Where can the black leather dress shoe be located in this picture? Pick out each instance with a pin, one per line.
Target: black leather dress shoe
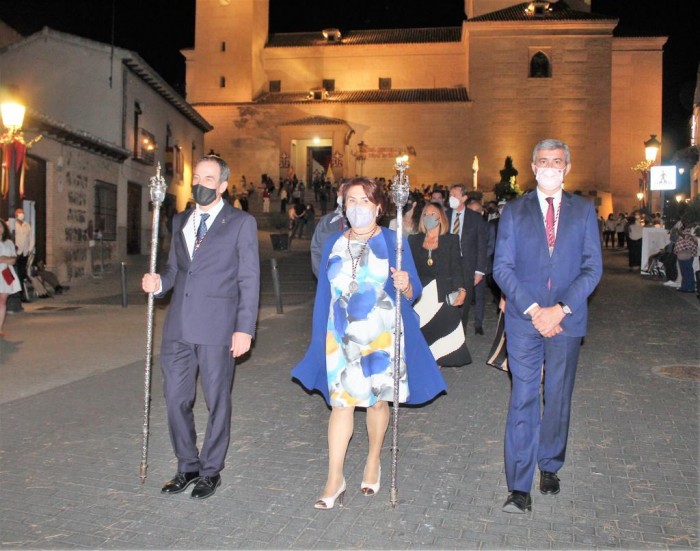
(549, 483)
(518, 502)
(179, 483)
(206, 487)
(479, 330)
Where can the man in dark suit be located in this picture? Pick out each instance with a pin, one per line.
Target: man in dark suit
(214, 271)
(473, 232)
(547, 263)
(328, 224)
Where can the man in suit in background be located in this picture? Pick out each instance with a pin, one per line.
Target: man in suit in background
(547, 263)
(214, 271)
(473, 232)
(328, 224)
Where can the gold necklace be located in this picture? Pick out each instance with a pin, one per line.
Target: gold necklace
(430, 260)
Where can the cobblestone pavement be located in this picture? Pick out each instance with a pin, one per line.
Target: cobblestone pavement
(71, 414)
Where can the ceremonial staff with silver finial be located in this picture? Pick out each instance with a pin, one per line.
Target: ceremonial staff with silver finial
(399, 193)
(156, 188)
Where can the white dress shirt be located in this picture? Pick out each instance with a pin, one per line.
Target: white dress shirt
(24, 238)
(189, 231)
(544, 205)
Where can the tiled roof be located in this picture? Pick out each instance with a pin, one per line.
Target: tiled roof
(74, 137)
(316, 121)
(354, 38)
(559, 11)
(153, 79)
(420, 95)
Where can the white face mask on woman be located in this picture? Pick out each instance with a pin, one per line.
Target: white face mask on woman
(360, 217)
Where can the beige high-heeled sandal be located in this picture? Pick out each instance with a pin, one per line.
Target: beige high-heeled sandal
(371, 489)
(329, 502)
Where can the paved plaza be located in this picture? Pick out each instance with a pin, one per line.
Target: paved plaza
(71, 415)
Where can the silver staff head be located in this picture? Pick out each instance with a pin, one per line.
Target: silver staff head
(157, 188)
(400, 187)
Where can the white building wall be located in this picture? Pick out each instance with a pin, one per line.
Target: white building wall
(66, 80)
(69, 81)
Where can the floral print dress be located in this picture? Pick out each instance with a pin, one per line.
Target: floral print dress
(360, 331)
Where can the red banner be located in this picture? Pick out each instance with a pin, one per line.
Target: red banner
(14, 156)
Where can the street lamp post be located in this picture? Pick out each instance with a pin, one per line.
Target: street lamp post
(13, 150)
(640, 198)
(651, 150)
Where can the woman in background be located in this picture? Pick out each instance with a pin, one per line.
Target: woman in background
(9, 282)
(437, 257)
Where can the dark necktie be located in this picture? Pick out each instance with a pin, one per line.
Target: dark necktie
(455, 226)
(201, 230)
(549, 222)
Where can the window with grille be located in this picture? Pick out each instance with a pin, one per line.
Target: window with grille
(106, 210)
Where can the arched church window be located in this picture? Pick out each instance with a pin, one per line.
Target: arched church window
(540, 66)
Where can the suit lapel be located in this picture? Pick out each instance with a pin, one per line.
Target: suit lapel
(534, 212)
(217, 226)
(565, 217)
(180, 235)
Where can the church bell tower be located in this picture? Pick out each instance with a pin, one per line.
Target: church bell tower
(225, 64)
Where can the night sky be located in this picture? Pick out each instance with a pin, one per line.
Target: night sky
(158, 29)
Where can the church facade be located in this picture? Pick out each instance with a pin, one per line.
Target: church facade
(351, 102)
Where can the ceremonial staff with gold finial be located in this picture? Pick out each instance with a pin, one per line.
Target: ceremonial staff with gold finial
(399, 193)
(156, 188)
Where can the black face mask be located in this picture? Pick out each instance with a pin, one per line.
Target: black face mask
(203, 195)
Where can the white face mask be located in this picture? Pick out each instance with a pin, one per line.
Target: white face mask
(549, 179)
(20, 217)
(454, 202)
(360, 217)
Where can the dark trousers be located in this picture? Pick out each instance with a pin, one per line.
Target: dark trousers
(181, 363)
(297, 228)
(21, 267)
(687, 275)
(536, 435)
(609, 238)
(479, 302)
(466, 307)
(634, 257)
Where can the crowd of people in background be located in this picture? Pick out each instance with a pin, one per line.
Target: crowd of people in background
(22, 276)
(674, 262)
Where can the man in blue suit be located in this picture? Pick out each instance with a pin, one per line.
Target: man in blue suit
(214, 271)
(547, 263)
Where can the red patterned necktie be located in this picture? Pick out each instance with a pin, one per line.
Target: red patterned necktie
(549, 222)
